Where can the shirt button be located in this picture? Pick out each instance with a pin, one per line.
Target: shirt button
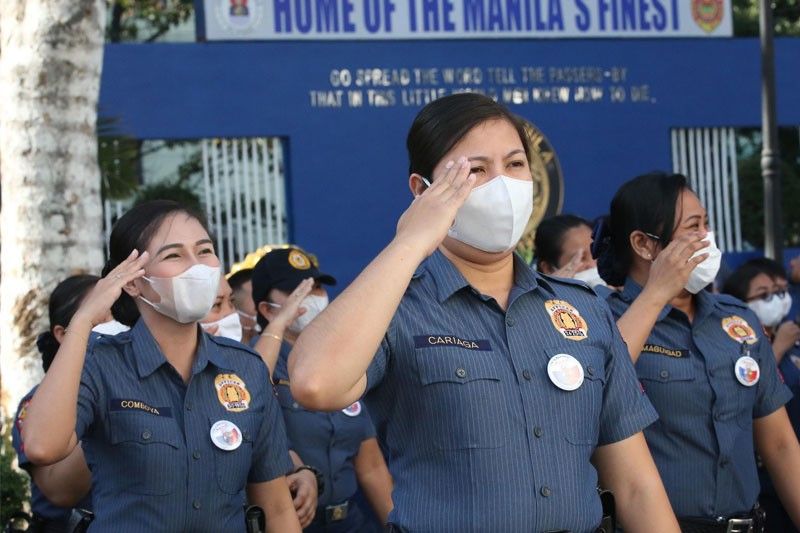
(545, 492)
(717, 417)
(196, 504)
(724, 461)
(188, 406)
(590, 370)
(538, 432)
(146, 434)
(196, 454)
(510, 322)
(460, 372)
(526, 374)
(664, 374)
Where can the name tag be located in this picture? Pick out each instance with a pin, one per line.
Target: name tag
(118, 404)
(655, 348)
(430, 341)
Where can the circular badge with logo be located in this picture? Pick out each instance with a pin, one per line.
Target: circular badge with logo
(565, 372)
(226, 435)
(353, 410)
(299, 260)
(747, 371)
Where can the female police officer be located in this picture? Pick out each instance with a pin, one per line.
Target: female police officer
(175, 423)
(492, 387)
(705, 362)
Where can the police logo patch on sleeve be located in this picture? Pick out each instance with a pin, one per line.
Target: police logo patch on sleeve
(232, 393)
(299, 260)
(739, 330)
(567, 320)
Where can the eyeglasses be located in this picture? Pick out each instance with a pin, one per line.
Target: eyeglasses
(767, 297)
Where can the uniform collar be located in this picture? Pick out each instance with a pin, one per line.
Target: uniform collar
(448, 280)
(705, 303)
(149, 358)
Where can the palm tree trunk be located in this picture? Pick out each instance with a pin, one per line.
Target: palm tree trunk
(51, 213)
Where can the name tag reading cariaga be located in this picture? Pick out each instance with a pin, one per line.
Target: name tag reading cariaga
(430, 341)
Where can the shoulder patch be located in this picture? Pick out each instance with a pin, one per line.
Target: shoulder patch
(568, 281)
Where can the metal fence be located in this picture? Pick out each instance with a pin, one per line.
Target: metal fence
(708, 157)
(242, 189)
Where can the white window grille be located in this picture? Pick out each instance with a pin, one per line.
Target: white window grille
(707, 156)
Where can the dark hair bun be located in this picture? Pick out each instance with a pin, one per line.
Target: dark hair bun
(48, 346)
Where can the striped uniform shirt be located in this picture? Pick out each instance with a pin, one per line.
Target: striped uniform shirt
(477, 435)
(703, 440)
(147, 435)
(40, 505)
(326, 441)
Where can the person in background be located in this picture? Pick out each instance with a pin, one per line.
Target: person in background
(702, 358)
(242, 299)
(223, 320)
(289, 293)
(179, 428)
(502, 398)
(57, 488)
(763, 284)
(562, 248)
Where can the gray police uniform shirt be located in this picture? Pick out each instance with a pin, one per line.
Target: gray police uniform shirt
(478, 437)
(703, 440)
(146, 434)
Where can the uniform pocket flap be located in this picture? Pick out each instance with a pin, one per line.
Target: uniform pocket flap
(143, 428)
(436, 368)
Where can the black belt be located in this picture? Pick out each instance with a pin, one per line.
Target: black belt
(754, 522)
(330, 514)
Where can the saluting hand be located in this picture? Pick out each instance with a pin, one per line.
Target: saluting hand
(786, 336)
(96, 305)
(424, 224)
(291, 309)
(572, 267)
(671, 269)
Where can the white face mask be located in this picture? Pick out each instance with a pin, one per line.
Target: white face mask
(769, 313)
(706, 272)
(591, 276)
(187, 297)
(495, 214)
(314, 306)
(227, 326)
(112, 327)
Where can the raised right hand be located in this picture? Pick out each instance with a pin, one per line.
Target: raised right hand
(97, 304)
(424, 224)
(671, 269)
(290, 309)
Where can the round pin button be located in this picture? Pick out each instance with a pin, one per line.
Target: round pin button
(747, 371)
(565, 372)
(353, 410)
(226, 435)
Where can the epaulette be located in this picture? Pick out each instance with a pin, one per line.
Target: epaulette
(569, 281)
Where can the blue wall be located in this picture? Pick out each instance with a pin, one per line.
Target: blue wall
(348, 168)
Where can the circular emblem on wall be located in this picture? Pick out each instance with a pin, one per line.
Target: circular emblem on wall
(548, 186)
(239, 15)
(707, 14)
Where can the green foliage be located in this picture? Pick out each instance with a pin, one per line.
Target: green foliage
(751, 186)
(13, 484)
(785, 13)
(178, 191)
(118, 158)
(145, 20)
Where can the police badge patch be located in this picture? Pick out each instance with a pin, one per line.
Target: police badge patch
(232, 393)
(567, 320)
(739, 330)
(707, 14)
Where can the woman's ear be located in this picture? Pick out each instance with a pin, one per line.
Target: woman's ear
(416, 184)
(131, 289)
(643, 246)
(59, 332)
